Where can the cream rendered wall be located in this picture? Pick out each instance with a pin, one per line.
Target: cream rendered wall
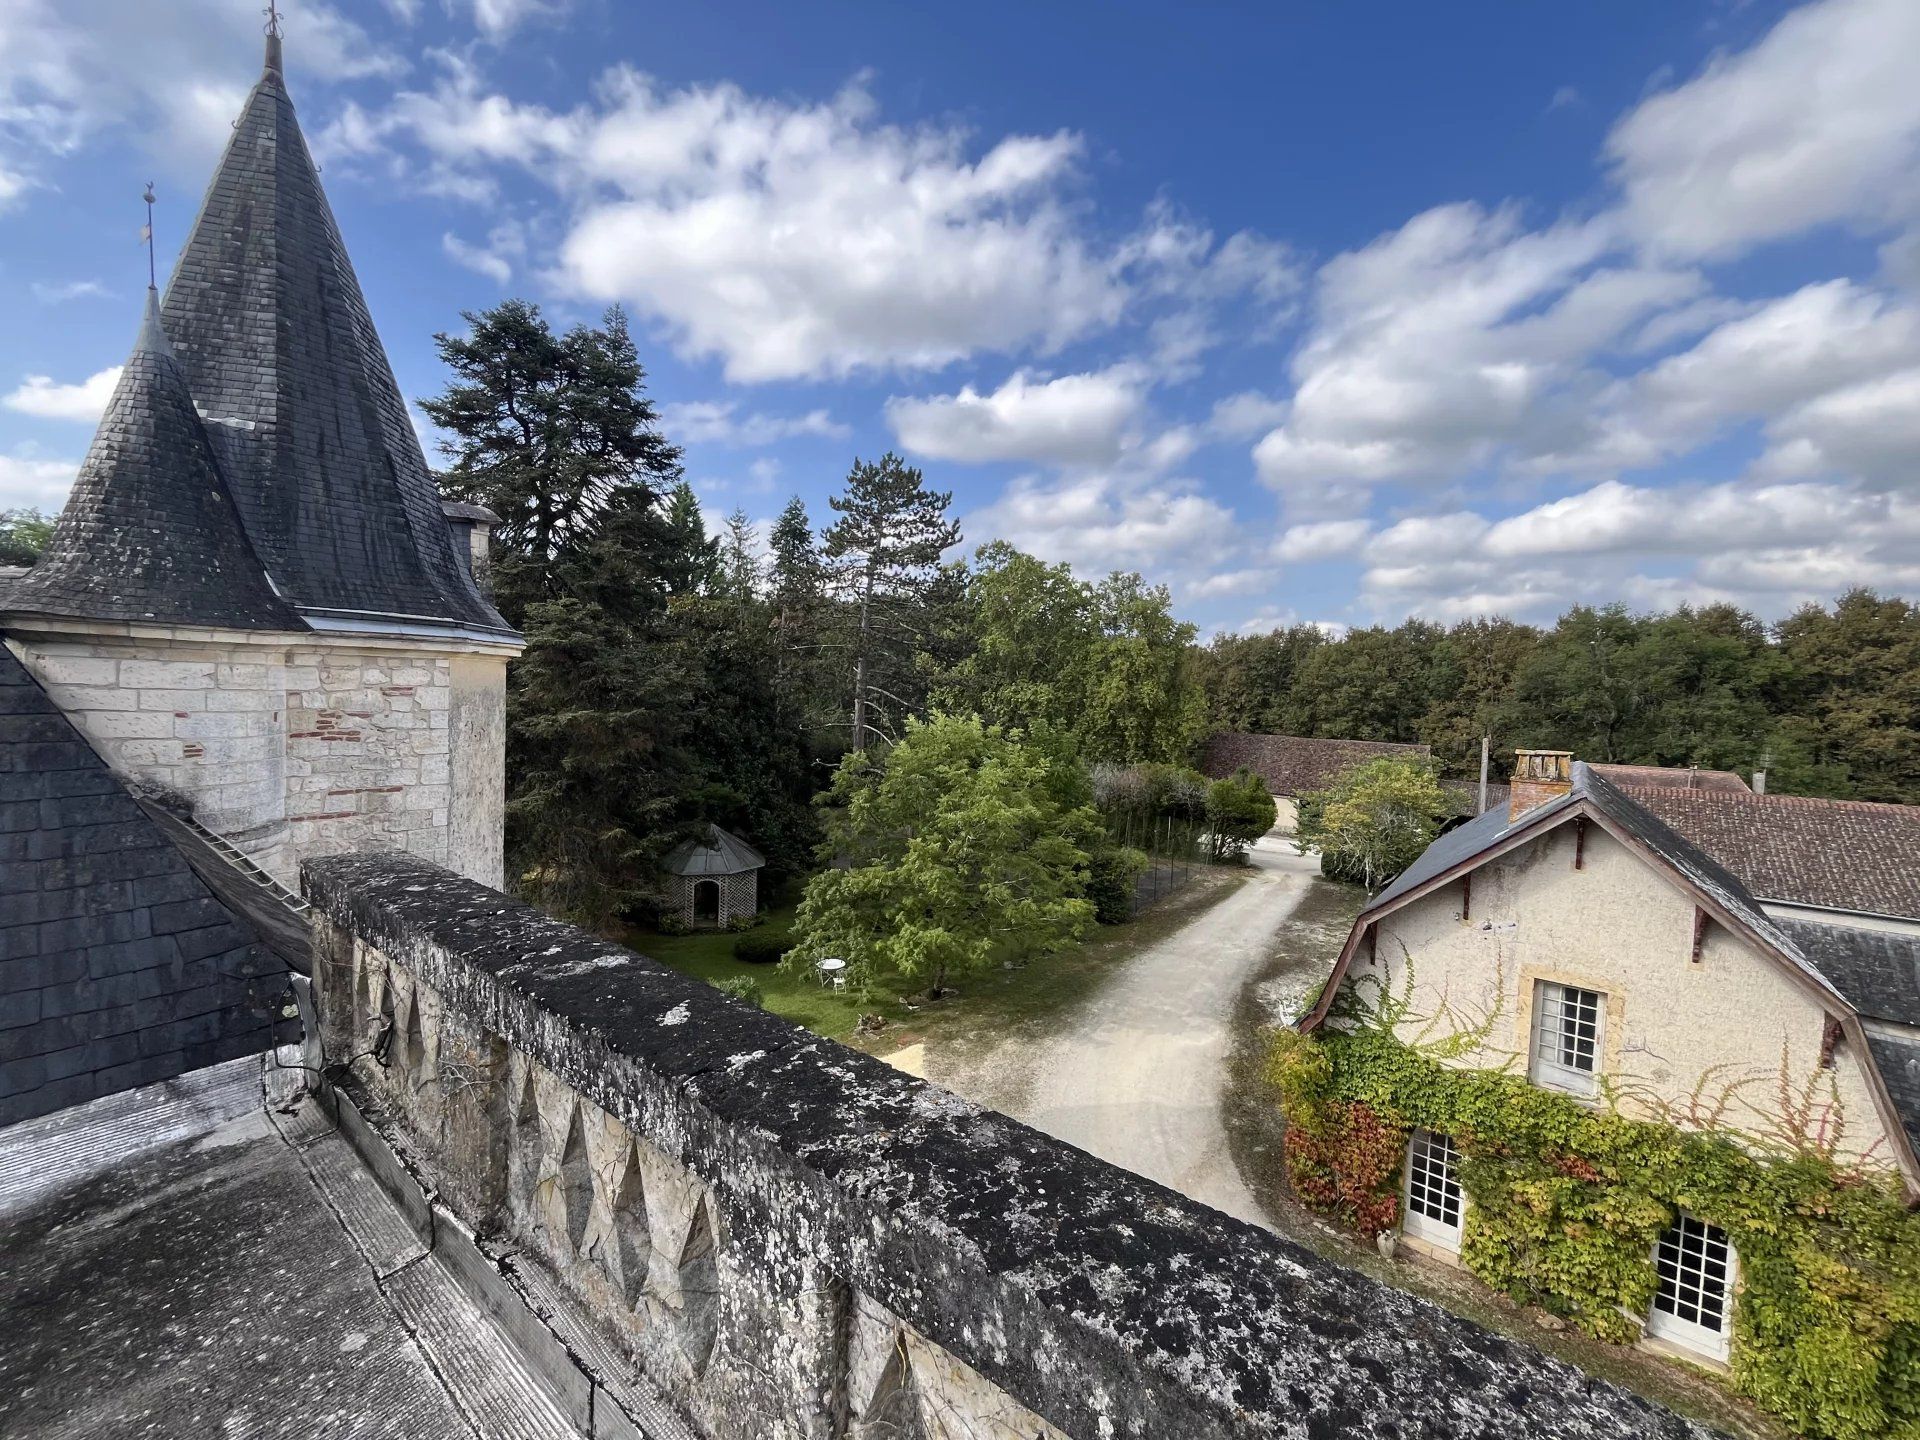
(1707, 1045)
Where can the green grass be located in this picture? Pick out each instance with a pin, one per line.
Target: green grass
(708, 955)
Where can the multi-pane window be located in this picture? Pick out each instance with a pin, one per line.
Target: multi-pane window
(1695, 1265)
(1433, 1189)
(1566, 1036)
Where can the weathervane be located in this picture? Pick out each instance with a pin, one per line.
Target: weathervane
(272, 12)
(146, 234)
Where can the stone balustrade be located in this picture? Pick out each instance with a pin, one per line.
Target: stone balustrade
(793, 1239)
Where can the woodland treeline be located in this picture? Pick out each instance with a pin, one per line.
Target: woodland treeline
(1827, 701)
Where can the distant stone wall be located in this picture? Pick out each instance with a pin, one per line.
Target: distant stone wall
(796, 1240)
(304, 750)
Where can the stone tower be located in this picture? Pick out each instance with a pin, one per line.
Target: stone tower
(253, 597)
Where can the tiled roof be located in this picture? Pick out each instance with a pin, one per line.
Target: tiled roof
(1835, 854)
(150, 531)
(1296, 764)
(117, 966)
(1672, 777)
(309, 427)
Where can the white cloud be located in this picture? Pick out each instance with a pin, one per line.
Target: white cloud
(1069, 420)
(1321, 540)
(1246, 414)
(172, 74)
(497, 19)
(56, 293)
(1098, 523)
(796, 239)
(1454, 340)
(718, 422)
(1766, 546)
(495, 258)
(41, 396)
(1818, 123)
(31, 482)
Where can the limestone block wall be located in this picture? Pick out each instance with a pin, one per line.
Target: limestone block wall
(203, 719)
(293, 750)
(793, 1239)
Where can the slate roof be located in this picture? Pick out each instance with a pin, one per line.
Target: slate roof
(1878, 970)
(1673, 777)
(150, 532)
(1295, 764)
(117, 966)
(310, 429)
(720, 854)
(1898, 1060)
(1834, 854)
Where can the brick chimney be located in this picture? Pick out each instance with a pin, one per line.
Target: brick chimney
(1538, 776)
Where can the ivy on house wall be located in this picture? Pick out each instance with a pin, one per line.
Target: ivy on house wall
(1567, 1202)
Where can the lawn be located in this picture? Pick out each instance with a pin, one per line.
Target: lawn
(708, 955)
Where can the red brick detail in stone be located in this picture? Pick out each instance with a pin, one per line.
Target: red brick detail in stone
(330, 815)
(192, 750)
(396, 689)
(369, 790)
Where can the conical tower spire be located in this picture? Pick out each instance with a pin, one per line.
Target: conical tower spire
(150, 532)
(311, 432)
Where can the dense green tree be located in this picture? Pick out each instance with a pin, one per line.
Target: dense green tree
(696, 567)
(1684, 688)
(883, 562)
(1375, 684)
(1473, 669)
(946, 853)
(1373, 821)
(1143, 700)
(1030, 630)
(1252, 681)
(1851, 697)
(1239, 812)
(23, 535)
(555, 434)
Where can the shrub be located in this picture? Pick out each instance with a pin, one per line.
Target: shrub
(1110, 877)
(762, 947)
(740, 924)
(672, 924)
(1239, 812)
(743, 987)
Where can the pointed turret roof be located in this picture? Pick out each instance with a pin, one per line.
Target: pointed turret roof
(150, 532)
(312, 435)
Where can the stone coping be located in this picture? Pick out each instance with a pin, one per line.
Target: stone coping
(1008, 1247)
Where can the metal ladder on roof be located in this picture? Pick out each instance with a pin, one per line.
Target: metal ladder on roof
(240, 861)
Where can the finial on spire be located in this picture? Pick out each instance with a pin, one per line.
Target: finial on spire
(146, 234)
(272, 12)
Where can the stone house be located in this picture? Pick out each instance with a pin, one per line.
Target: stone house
(1579, 939)
(714, 881)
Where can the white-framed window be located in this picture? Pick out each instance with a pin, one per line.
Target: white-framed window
(1693, 1307)
(1567, 1030)
(1434, 1201)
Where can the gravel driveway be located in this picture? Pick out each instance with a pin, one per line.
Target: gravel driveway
(1136, 1074)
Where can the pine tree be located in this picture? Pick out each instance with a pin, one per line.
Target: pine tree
(883, 556)
(741, 572)
(697, 567)
(555, 434)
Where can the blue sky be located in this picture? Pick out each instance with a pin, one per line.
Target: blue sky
(1314, 312)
